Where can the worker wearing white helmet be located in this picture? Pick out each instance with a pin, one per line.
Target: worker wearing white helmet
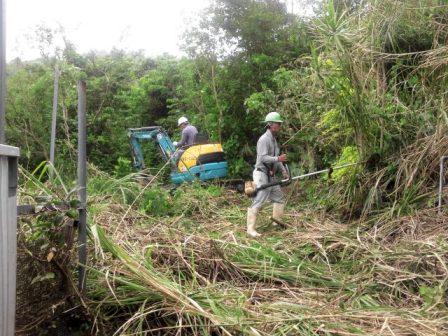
(189, 133)
(269, 161)
(181, 121)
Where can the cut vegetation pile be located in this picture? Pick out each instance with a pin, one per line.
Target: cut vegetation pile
(194, 271)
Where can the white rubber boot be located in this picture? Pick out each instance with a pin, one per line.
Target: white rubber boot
(277, 212)
(251, 219)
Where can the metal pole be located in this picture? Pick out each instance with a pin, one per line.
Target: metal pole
(441, 181)
(82, 180)
(53, 118)
(8, 238)
(2, 72)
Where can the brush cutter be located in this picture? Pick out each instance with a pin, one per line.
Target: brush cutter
(251, 190)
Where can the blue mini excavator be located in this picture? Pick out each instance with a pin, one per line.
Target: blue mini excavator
(203, 161)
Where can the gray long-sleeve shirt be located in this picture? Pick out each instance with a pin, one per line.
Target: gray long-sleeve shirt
(188, 136)
(267, 153)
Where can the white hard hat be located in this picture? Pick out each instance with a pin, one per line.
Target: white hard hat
(181, 121)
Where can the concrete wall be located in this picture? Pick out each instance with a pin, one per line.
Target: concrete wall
(8, 240)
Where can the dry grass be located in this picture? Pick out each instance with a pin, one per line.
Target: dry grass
(199, 274)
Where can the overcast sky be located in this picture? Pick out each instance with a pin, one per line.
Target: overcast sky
(154, 26)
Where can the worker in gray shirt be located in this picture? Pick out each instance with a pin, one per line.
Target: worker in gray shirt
(269, 161)
(189, 133)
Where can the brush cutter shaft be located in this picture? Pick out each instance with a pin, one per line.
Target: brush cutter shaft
(324, 171)
(287, 181)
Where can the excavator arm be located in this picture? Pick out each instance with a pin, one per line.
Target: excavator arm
(154, 133)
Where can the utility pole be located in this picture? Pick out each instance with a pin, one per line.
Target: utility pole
(8, 205)
(53, 118)
(2, 72)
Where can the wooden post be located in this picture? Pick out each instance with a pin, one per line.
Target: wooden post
(441, 181)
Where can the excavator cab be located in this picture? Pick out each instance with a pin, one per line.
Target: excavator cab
(203, 161)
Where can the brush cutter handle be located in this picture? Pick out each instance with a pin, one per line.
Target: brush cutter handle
(272, 184)
(276, 183)
(267, 185)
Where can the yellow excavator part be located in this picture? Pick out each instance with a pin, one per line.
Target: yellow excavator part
(190, 156)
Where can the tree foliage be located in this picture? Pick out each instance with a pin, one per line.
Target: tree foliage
(356, 77)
